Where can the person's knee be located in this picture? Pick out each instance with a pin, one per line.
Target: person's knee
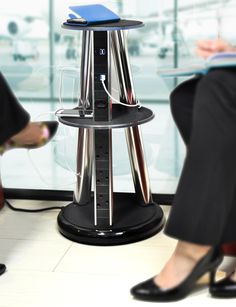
(215, 99)
(175, 100)
(176, 97)
(213, 81)
(219, 74)
(182, 96)
(211, 89)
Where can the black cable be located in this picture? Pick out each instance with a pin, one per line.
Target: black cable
(31, 210)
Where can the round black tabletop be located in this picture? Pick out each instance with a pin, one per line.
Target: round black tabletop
(123, 24)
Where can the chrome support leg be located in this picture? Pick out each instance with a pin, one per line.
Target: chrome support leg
(133, 134)
(82, 193)
(85, 69)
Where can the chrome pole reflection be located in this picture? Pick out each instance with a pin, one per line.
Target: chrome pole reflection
(85, 69)
(133, 134)
(82, 193)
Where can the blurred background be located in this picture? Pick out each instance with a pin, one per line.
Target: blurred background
(41, 62)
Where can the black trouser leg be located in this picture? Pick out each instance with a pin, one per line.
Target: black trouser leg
(13, 117)
(181, 102)
(204, 208)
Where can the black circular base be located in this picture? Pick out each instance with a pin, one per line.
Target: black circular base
(131, 223)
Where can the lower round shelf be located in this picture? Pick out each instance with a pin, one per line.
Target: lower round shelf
(122, 117)
(131, 223)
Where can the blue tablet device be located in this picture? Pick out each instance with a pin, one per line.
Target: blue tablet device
(85, 15)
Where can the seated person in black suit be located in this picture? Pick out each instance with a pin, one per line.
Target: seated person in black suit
(16, 129)
(203, 213)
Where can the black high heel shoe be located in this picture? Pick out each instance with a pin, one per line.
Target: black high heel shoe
(48, 128)
(149, 291)
(225, 288)
(2, 268)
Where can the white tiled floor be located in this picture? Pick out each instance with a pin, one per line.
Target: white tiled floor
(45, 269)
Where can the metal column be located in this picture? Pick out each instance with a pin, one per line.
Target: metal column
(133, 134)
(82, 193)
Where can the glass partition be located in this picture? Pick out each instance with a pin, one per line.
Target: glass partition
(41, 62)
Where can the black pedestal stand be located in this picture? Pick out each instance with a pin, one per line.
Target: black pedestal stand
(105, 217)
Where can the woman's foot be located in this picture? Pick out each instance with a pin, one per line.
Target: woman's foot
(31, 134)
(34, 135)
(188, 263)
(180, 264)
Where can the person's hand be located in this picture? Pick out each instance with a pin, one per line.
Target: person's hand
(206, 48)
